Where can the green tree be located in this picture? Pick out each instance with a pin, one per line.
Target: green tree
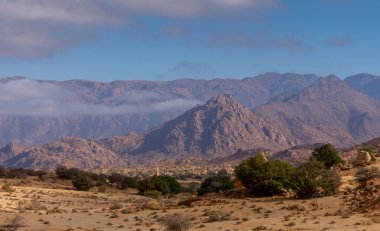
(82, 182)
(129, 182)
(264, 178)
(312, 179)
(215, 184)
(327, 154)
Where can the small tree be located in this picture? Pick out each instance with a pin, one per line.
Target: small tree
(327, 154)
(215, 184)
(129, 182)
(312, 179)
(82, 182)
(264, 178)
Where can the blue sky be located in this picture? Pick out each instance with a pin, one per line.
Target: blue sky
(106, 40)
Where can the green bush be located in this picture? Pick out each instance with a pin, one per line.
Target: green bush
(215, 184)
(164, 184)
(129, 182)
(312, 179)
(174, 186)
(264, 178)
(153, 194)
(82, 182)
(327, 154)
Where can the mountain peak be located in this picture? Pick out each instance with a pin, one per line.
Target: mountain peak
(223, 99)
(12, 148)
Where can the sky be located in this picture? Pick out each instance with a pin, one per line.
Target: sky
(107, 40)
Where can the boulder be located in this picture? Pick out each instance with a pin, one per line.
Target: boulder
(362, 158)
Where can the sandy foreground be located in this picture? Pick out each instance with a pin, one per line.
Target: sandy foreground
(43, 208)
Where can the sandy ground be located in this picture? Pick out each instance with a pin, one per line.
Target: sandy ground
(65, 209)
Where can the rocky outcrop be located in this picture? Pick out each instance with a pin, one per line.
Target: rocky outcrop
(70, 152)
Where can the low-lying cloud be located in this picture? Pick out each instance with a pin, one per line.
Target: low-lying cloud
(36, 98)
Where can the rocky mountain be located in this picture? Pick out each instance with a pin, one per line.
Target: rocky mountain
(327, 111)
(37, 112)
(10, 151)
(70, 152)
(215, 129)
(366, 84)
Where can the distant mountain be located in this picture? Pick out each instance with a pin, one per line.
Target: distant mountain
(327, 111)
(36, 112)
(365, 83)
(213, 130)
(216, 129)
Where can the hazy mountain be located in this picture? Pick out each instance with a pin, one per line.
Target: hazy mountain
(36, 112)
(365, 83)
(327, 111)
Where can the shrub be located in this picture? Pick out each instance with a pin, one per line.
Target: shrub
(153, 194)
(264, 178)
(164, 184)
(215, 184)
(176, 222)
(368, 149)
(82, 182)
(116, 178)
(327, 154)
(312, 179)
(366, 174)
(129, 182)
(7, 187)
(14, 223)
(174, 186)
(65, 173)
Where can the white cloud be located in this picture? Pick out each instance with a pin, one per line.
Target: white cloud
(37, 98)
(41, 28)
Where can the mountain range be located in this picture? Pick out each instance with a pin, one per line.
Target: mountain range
(295, 110)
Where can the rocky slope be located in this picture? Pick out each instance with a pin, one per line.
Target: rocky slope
(215, 129)
(327, 111)
(70, 152)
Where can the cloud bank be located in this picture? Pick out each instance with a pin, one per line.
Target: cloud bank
(33, 29)
(27, 97)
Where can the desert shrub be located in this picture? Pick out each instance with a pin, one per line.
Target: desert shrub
(264, 178)
(116, 178)
(153, 194)
(327, 154)
(14, 223)
(164, 184)
(176, 222)
(82, 182)
(2, 172)
(174, 185)
(145, 185)
(67, 173)
(215, 184)
(41, 174)
(129, 182)
(366, 174)
(7, 187)
(368, 149)
(18, 173)
(312, 179)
